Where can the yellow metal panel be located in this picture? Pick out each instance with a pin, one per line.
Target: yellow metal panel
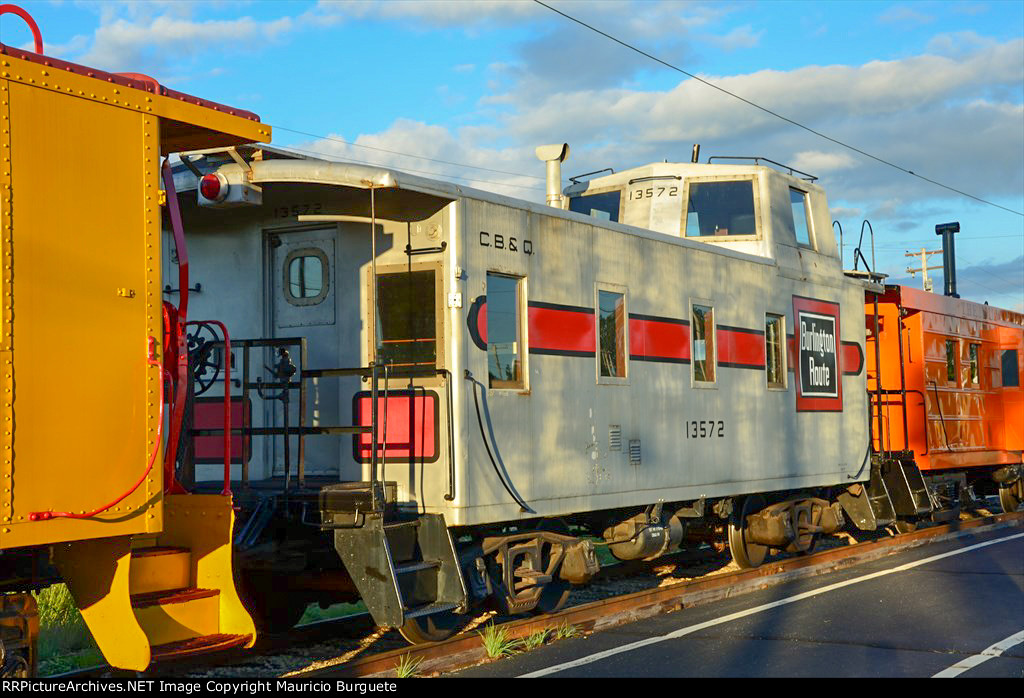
(97, 573)
(204, 523)
(172, 622)
(6, 357)
(85, 301)
(160, 570)
(189, 126)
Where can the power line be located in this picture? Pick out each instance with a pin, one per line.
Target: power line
(775, 114)
(396, 152)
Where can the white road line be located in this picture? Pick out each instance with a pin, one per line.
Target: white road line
(986, 654)
(598, 656)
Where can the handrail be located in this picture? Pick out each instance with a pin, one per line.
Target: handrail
(37, 37)
(227, 400)
(757, 161)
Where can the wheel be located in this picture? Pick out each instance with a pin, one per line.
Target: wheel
(1010, 497)
(433, 628)
(747, 555)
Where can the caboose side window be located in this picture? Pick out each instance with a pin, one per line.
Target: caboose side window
(801, 220)
(775, 357)
(604, 206)
(951, 361)
(611, 333)
(702, 326)
(504, 344)
(406, 326)
(973, 350)
(1011, 376)
(720, 208)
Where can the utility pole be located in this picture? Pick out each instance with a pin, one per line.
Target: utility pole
(926, 283)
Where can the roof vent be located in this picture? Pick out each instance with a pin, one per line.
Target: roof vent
(553, 156)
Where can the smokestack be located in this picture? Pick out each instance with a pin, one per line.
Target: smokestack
(695, 155)
(553, 156)
(946, 230)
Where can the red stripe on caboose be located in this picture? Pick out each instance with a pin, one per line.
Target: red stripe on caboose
(562, 329)
(852, 358)
(740, 348)
(658, 339)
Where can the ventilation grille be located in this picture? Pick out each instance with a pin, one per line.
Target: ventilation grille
(634, 451)
(614, 437)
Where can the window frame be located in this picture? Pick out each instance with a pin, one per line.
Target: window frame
(783, 385)
(620, 188)
(624, 292)
(755, 182)
(440, 308)
(522, 352)
(1003, 364)
(974, 364)
(703, 384)
(325, 270)
(952, 351)
(811, 243)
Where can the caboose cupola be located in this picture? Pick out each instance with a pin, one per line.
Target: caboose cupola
(753, 207)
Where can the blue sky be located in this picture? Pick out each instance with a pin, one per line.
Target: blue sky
(936, 87)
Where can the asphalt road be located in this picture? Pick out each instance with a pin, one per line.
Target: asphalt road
(915, 614)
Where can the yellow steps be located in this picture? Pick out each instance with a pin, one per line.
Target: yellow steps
(159, 568)
(147, 600)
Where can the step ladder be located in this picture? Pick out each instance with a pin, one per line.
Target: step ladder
(404, 567)
(152, 600)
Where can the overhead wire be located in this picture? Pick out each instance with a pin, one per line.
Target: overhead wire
(774, 113)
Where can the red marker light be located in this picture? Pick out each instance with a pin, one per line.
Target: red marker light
(212, 188)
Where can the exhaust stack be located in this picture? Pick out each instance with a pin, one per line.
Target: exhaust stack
(946, 230)
(553, 156)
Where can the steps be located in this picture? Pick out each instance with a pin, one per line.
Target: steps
(403, 569)
(155, 599)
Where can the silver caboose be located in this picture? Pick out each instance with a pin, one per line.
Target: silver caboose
(442, 397)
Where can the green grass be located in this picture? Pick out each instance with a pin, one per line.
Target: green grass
(407, 667)
(535, 640)
(64, 640)
(565, 631)
(497, 642)
(339, 610)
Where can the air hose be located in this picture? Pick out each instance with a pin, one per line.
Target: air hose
(479, 420)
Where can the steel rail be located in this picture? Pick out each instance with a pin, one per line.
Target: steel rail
(466, 650)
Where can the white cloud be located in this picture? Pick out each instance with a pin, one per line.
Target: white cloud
(740, 37)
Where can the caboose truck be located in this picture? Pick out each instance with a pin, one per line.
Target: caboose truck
(518, 379)
(83, 498)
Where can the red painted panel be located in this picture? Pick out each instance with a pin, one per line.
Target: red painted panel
(852, 358)
(740, 347)
(562, 329)
(658, 339)
(209, 414)
(412, 426)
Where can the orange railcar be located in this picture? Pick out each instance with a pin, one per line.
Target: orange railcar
(949, 388)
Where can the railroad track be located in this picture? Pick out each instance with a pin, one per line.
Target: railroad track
(358, 649)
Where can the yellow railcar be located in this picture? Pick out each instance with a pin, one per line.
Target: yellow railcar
(82, 337)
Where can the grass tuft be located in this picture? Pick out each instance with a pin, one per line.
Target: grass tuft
(408, 667)
(565, 631)
(64, 640)
(496, 641)
(537, 639)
